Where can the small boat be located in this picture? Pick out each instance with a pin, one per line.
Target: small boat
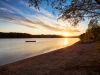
(30, 41)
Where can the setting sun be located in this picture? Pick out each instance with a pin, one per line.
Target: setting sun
(66, 34)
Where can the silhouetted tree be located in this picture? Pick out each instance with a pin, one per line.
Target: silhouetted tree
(72, 10)
(93, 31)
(82, 36)
(93, 23)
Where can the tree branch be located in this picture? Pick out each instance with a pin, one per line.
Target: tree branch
(98, 1)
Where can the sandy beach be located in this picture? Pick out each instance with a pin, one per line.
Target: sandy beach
(78, 59)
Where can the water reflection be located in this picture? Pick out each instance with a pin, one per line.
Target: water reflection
(66, 41)
(12, 50)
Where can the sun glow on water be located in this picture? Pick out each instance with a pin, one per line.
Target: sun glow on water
(66, 41)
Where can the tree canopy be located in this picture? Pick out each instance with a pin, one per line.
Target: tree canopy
(74, 11)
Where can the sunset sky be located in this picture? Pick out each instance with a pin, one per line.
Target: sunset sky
(17, 16)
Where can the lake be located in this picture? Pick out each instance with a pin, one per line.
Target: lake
(12, 50)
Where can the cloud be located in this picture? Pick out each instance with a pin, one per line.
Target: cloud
(46, 13)
(41, 20)
(6, 10)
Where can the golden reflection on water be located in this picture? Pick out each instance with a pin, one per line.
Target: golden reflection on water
(66, 41)
(18, 49)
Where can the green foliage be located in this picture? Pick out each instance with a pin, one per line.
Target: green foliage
(93, 31)
(73, 11)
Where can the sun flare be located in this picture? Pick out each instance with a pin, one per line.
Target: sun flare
(66, 34)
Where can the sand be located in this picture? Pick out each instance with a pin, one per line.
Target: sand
(78, 59)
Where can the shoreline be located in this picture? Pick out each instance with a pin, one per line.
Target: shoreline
(77, 59)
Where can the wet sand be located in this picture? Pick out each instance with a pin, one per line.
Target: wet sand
(78, 59)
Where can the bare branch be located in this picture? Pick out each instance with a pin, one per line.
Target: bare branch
(73, 11)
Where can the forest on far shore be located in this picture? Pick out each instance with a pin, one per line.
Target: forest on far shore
(26, 35)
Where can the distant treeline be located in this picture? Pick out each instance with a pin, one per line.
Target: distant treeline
(26, 35)
(14, 35)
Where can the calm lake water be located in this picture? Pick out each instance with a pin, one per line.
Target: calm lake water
(12, 50)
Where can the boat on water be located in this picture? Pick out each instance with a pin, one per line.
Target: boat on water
(30, 41)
